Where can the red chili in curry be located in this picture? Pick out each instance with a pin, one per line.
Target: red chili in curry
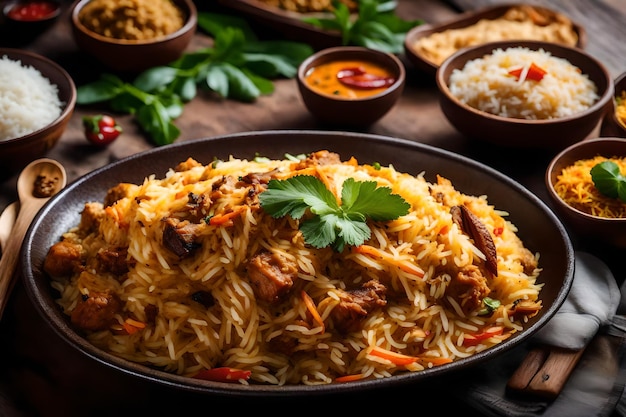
(350, 79)
(32, 10)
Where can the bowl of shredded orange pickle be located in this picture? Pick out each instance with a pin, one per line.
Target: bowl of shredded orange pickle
(587, 184)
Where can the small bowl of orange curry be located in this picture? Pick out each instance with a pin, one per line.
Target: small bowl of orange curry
(350, 86)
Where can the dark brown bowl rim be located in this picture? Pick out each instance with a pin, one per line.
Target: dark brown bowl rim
(604, 98)
(619, 87)
(346, 52)
(190, 24)
(466, 19)
(557, 159)
(68, 106)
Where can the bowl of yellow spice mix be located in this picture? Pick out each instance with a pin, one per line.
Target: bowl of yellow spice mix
(134, 35)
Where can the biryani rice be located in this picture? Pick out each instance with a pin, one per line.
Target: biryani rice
(186, 337)
(486, 84)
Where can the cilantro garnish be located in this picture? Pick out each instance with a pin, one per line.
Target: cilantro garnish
(332, 224)
(608, 179)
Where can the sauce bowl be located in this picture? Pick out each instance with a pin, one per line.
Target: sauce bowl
(336, 106)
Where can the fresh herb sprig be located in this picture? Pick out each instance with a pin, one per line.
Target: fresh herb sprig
(376, 25)
(238, 66)
(608, 180)
(332, 224)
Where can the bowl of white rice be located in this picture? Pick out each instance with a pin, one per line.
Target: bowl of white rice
(37, 99)
(524, 94)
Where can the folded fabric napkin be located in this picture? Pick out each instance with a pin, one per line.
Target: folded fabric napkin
(590, 391)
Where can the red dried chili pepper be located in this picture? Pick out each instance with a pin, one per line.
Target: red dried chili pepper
(534, 73)
(223, 374)
(357, 77)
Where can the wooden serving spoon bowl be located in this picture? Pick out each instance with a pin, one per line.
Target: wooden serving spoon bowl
(38, 181)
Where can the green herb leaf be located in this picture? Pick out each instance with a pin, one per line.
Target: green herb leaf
(106, 88)
(332, 224)
(238, 66)
(490, 305)
(608, 179)
(376, 26)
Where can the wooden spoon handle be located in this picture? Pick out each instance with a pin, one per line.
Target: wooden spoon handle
(11, 255)
(544, 371)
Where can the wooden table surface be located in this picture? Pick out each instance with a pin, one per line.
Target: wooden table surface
(42, 376)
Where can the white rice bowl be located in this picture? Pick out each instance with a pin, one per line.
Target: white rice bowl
(486, 84)
(28, 100)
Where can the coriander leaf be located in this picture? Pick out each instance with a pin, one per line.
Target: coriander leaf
(295, 195)
(350, 232)
(331, 224)
(319, 231)
(365, 197)
(608, 179)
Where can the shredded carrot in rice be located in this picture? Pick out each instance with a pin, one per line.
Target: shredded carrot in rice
(575, 186)
(310, 305)
(403, 264)
(349, 378)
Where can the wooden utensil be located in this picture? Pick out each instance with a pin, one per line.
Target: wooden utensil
(39, 181)
(7, 220)
(544, 371)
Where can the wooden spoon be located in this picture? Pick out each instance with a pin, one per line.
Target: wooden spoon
(7, 220)
(39, 181)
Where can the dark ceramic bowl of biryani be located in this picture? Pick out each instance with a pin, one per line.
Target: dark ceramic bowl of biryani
(156, 33)
(580, 203)
(268, 338)
(350, 86)
(525, 94)
(614, 123)
(32, 123)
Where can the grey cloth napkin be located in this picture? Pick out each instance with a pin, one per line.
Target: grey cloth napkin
(591, 303)
(591, 390)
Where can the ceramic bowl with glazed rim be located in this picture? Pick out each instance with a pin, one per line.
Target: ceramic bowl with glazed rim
(591, 227)
(135, 56)
(350, 86)
(17, 152)
(426, 46)
(614, 123)
(549, 132)
(22, 21)
(538, 226)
